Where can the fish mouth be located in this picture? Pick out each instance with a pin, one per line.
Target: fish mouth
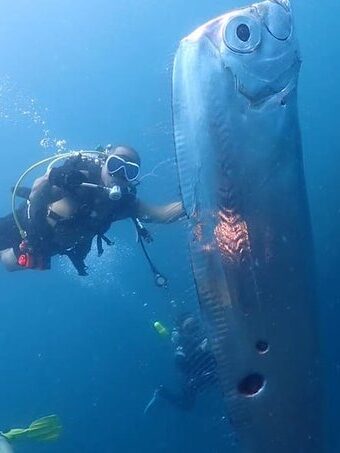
(276, 92)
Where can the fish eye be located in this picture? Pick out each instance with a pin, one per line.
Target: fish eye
(242, 34)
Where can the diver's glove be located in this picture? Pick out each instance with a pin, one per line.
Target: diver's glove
(66, 179)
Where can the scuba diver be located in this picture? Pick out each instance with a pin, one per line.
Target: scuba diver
(75, 202)
(45, 429)
(193, 358)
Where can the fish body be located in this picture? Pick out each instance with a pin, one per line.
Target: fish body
(5, 446)
(240, 166)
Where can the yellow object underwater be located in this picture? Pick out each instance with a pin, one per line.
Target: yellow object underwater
(44, 429)
(160, 329)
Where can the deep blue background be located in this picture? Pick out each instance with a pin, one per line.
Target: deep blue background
(99, 72)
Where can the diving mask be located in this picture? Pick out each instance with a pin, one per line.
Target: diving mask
(114, 164)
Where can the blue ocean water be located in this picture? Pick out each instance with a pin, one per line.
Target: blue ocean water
(86, 73)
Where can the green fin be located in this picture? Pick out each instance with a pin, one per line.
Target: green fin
(44, 429)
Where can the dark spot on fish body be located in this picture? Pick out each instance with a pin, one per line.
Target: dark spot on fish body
(251, 385)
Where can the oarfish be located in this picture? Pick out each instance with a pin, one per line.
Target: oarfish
(5, 446)
(241, 174)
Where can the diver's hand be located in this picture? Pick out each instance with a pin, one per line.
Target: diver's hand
(66, 179)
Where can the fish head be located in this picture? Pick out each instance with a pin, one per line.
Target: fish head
(257, 47)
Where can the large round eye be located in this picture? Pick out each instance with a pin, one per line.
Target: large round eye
(242, 34)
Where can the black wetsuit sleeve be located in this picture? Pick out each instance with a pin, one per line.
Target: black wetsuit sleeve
(128, 208)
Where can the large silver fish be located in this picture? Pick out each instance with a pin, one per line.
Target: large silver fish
(242, 181)
(5, 446)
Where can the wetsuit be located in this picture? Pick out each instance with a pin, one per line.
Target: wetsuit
(93, 216)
